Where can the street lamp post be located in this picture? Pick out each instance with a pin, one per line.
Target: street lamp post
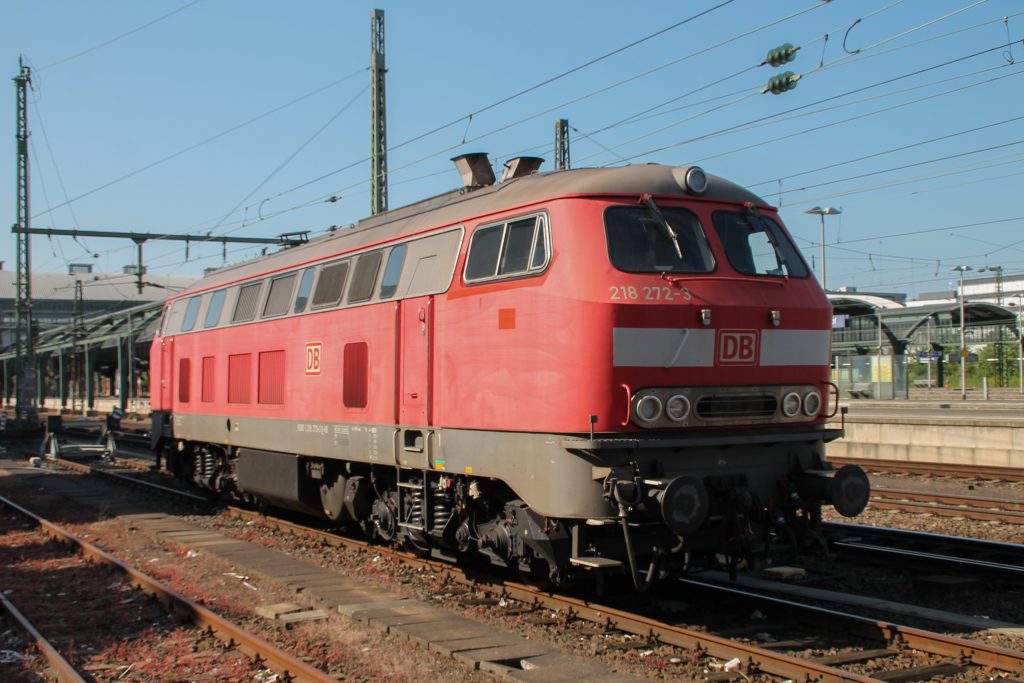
(1000, 351)
(963, 340)
(827, 211)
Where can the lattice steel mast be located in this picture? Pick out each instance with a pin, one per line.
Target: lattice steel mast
(25, 407)
(378, 117)
(562, 144)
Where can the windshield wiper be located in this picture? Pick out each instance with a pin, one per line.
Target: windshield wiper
(666, 227)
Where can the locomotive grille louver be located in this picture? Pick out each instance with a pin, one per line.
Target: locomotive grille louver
(730, 407)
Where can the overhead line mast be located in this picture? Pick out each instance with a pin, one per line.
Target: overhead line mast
(378, 117)
(25, 408)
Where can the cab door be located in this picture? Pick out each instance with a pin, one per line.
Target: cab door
(416, 335)
(166, 373)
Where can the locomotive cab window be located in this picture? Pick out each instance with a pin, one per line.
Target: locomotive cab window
(669, 241)
(757, 245)
(513, 248)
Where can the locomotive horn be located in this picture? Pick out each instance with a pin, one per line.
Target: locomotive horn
(684, 504)
(847, 488)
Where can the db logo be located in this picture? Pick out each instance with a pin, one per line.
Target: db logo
(313, 355)
(737, 347)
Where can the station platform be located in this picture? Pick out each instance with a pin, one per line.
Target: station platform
(936, 430)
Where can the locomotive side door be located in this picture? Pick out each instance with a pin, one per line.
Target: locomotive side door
(166, 372)
(416, 336)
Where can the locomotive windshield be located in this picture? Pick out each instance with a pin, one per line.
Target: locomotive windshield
(757, 245)
(639, 243)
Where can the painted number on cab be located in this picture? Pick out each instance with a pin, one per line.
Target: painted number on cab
(314, 355)
(630, 293)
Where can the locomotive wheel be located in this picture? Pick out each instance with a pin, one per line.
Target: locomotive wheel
(385, 520)
(538, 573)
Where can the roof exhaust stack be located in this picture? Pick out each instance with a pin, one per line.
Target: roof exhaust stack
(475, 170)
(520, 166)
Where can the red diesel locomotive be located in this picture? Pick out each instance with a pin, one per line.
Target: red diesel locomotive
(592, 368)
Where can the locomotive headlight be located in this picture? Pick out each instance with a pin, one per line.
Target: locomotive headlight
(791, 404)
(696, 180)
(648, 408)
(677, 408)
(812, 404)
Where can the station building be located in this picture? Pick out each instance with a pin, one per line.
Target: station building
(91, 335)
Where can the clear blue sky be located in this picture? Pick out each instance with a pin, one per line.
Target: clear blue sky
(689, 95)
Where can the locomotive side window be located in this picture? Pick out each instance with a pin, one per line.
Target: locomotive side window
(330, 285)
(305, 286)
(280, 295)
(248, 301)
(364, 277)
(213, 311)
(208, 380)
(191, 313)
(517, 247)
(392, 271)
(640, 242)
(515, 255)
(757, 245)
(355, 371)
(540, 251)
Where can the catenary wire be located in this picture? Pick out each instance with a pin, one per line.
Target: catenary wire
(119, 37)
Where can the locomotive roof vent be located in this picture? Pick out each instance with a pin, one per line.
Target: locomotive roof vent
(475, 169)
(520, 166)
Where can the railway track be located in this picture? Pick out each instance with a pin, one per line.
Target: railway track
(936, 469)
(955, 553)
(627, 628)
(268, 655)
(970, 507)
(630, 628)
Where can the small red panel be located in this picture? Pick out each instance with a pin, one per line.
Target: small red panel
(506, 318)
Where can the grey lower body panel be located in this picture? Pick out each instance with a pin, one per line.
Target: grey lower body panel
(552, 479)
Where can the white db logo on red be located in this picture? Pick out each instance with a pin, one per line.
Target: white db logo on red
(737, 347)
(314, 353)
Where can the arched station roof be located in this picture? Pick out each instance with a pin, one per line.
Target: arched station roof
(900, 322)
